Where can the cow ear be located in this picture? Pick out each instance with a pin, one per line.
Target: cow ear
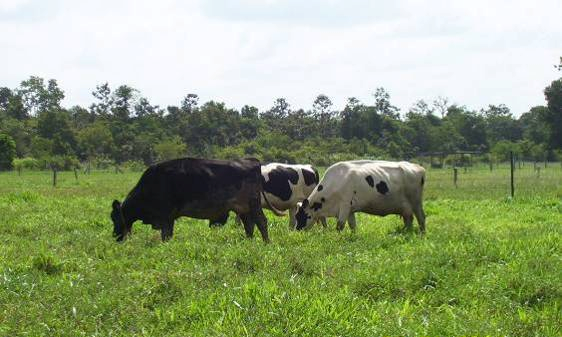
(116, 205)
(305, 203)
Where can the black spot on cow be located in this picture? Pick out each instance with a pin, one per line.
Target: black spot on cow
(278, 183)
(320, 188)
(351, 202)
(322, 199)
(310, 177)
(370, 181)
(316, 206)
(382, 188)
(354, 192)
(423, 181)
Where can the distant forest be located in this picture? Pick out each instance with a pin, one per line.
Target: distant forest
(122, 127)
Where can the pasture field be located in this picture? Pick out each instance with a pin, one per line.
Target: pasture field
(488, 265)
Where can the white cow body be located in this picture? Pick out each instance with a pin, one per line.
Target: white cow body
(373, 187)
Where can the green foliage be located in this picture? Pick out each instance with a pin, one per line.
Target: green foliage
(7, 151)
(27, 163)
(503, 148)
(170, 149)
(123, 126)
(553, 115)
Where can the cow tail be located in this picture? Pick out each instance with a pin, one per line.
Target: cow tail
(273, 209)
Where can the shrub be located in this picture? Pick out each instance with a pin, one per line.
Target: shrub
(7, 151)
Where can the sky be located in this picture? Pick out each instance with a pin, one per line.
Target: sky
(474, 53)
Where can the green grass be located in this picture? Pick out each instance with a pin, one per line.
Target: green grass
(489, 265)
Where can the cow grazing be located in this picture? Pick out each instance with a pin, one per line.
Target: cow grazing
(197, 188)
(373, 187)
(286, 185)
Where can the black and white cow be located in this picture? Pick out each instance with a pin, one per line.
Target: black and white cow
(287, 185)
(373, 187)
(197, 188)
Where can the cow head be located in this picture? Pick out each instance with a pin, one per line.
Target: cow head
(305, 215)
(120, 228)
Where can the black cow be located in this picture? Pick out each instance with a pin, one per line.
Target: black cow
(197, 188)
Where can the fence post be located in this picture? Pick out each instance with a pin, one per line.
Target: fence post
(76, 173)
(512, 170)
(455, 175)
(54, 177)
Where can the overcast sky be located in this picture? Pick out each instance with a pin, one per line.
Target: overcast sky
(252, 51)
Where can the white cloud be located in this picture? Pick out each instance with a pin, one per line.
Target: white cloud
(250, 52)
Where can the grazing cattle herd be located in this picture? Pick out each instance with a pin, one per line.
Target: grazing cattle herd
(210, 189)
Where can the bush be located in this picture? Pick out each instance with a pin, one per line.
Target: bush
(7, 151)
(62, 163)
(27, 163)
(134, 165)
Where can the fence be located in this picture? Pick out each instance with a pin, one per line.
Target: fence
(528, 179)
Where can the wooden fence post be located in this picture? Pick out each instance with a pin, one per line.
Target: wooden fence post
(54, 177)
(512, 170)
(76, 173)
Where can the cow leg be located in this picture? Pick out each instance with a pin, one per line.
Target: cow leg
(167, 231)
(342, 217)
(408, 220)
(351, 221)
(322, 220)
(248, 224)
(420, 216)
(261, 221)
(292, 219)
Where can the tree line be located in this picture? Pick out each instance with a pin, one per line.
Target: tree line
(122, 127)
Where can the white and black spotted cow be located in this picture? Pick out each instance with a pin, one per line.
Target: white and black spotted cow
(285, 186)
(373, 187)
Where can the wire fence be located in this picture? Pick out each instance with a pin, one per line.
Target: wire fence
(482, 181)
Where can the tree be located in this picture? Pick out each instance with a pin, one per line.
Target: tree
(123, 98)
(500, 124)
(324, 116)
(190, 103)
(170, 149)
(274, 117)
(534, 126)
(7, 152)
(95, 140)
(55, 125)
(420, 108)
(105, 100)
(37, 97)
(382, 104)
(249, 122)
(144, 108)
(441, 105)
(351, 119)
(553, 115)
(470, 125)
(11, 104)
